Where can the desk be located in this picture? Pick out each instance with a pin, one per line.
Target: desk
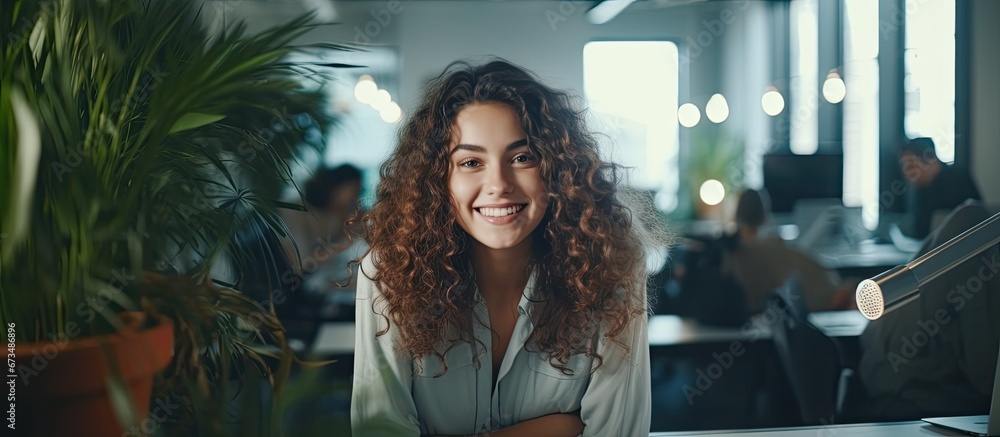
(916, 428)
(700, 370)
(337, 338)
(863, 257)
(670, 330)
(679, 349)
(839, 324)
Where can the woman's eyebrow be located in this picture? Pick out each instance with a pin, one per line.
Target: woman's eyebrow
(481, 149)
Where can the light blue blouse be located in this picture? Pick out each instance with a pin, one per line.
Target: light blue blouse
(393, 395)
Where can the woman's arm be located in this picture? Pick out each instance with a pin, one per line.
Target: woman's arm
(618, 400)
(552, 425)
(381, 402)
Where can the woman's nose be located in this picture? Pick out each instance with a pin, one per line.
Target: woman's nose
(498, 181)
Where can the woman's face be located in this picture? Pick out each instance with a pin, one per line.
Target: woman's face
(496, 190)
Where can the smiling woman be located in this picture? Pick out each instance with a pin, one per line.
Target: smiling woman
(504, 290)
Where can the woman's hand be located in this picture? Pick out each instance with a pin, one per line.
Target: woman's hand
(552, 425)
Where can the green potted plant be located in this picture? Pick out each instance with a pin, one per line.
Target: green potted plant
(137, 147)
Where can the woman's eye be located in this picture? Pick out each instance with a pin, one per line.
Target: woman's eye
(470, 163)
(523, 158)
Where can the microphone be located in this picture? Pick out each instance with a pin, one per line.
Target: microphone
(901, 284)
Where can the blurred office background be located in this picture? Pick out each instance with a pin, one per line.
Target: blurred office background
(849, 78)
(806, 101)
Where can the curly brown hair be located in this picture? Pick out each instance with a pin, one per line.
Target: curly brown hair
(586, 250)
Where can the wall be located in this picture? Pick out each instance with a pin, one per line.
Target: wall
(985, 142)
(547, 37)
(544, 36)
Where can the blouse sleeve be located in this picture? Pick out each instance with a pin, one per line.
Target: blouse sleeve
(618, 401)
(381, 399)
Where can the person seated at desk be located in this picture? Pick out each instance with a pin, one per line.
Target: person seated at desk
(934, 185)
(936, 355)
(762, 264)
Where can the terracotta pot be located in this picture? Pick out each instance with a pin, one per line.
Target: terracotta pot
(65, 392)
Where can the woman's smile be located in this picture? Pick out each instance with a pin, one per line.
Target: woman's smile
(500, 215)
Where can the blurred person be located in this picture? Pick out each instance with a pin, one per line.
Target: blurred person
(936, 356)
(763, 263)
(934, 185)
(325, 242)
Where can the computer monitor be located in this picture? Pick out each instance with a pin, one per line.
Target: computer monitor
(789, 178)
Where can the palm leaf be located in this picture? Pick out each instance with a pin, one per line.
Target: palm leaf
(158, 150)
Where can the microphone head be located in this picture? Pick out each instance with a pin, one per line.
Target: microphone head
(870, 300)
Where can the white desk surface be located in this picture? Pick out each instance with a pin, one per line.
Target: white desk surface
(337, 338)
(668, 330)
(895, 429)
(862, 255)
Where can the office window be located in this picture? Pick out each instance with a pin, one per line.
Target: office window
(929, 81)
(632, 89)
(804, 63)
(861, 120)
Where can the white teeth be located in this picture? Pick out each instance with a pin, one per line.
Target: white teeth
(500, 212)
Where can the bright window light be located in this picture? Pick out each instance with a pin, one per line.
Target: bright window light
(929, 80)
(804, 58)
(861, 130)
(632, 89)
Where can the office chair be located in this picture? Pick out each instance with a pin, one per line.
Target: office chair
(707, 293)
(812, 361)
